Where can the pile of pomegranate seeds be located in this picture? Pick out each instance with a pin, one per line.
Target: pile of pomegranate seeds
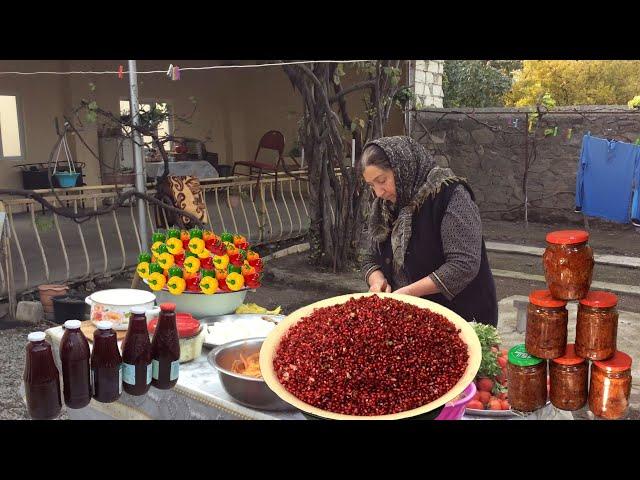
(370, 356)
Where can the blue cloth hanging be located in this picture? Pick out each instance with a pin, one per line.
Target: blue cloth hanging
(608, 179)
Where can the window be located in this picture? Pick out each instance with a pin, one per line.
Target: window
(11, 146)
(163, 127)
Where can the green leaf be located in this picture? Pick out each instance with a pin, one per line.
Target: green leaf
(92, 105)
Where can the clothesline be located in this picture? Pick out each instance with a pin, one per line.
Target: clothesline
(182, 69)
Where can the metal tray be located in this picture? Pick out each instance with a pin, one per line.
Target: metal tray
(236, 316)
(496, 413)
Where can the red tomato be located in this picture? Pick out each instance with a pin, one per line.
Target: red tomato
(505, 404)
(502, 361)
(504, 353)
(502, 396)
(475, 404)
(484, 397)
(495, 404)
(485, 384)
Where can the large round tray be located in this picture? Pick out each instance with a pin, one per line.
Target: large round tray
(467, 334)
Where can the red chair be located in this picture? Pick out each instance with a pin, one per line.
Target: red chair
(272, 140)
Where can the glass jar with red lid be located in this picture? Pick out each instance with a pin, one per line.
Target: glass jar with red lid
(547, 318)
(610, 386)
(597, 326)
(568, 380)
(568, 264)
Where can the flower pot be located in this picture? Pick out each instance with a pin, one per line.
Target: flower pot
(66, 307)
(49, 291)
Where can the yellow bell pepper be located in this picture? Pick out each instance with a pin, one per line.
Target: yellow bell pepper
(156, 281)
(155, 246)
(235, 281)
(176, 285)
(191, 264)
(174, 245)
(204, 254)
(196, 245)
(208, 285)
(143, 269)
(221, 261)
(166, 260)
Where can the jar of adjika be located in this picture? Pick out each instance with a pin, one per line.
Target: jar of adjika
(610, 386)
(547, 318)
(568, 264)
(527, 380)
(568, 387)
(597, 326)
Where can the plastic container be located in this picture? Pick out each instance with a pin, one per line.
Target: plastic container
(66, 307)
(527, 380)
(67, 179)
(568, 380)
(568, 264)
(455, 410)
(610, 386)
(547, 318)
(597, 326)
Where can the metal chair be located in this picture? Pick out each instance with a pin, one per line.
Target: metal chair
(272, 140)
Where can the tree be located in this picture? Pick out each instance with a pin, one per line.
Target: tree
(477, 83)
(327, 127)
(576, 82)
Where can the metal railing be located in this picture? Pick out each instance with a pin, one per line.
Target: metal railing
(43, 247)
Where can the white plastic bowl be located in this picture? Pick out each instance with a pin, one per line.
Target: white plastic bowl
(200, 305)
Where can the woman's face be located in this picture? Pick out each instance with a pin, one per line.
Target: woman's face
(382, 182)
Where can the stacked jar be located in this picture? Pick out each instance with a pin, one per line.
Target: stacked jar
(568, 266)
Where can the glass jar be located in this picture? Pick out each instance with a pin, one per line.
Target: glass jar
(568, 264)
(527, 380)
(568, 387)
(610, 386)
(547, 318)
(597, 326)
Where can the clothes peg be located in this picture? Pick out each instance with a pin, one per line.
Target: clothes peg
(176, 73)
(569, 133)
(170, 71)
(515, 122)
(555, 131)
(120, 72)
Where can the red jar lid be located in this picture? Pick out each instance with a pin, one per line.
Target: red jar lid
(170, 307)
(543, 298)
(567, 237)
(618, 363)
(187, 325)
(569, 357)
(600, 300)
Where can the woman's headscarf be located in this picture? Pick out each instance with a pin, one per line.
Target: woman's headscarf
(417, 177)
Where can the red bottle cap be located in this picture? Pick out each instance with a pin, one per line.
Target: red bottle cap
(568, 237)
(186, 324)
(618, 363)
(600, 300)
(543, 298)
(569, 357)
(168, 307)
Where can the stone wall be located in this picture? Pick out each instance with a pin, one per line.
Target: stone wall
(489, 147)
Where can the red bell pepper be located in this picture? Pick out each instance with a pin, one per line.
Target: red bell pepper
(217, 247)
(252, 280)
(193, 283)
(207, 263)
(257, 264)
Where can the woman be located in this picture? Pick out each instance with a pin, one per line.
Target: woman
(425, 231)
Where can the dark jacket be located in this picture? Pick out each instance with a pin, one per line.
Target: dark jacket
(477, 301)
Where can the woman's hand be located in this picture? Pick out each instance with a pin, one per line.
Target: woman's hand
(380, 286)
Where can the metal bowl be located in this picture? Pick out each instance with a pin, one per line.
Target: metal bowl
(248, 391)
